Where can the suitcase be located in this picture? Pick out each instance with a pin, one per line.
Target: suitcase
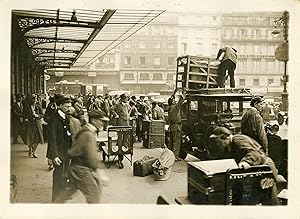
(207, 181)
(143, 167)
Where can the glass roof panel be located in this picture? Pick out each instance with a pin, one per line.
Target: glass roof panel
(83, 36)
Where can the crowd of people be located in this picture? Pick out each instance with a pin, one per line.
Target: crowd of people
(72, 149)
(71, 134)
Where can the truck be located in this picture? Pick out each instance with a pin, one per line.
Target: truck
(206, 105)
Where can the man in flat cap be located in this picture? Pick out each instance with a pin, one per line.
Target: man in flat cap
(246, 152)
(59, 142)
(122, 109)
(252, 123)
(86, 171)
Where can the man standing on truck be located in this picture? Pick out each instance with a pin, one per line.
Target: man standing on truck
(174, 113)
(228, 65)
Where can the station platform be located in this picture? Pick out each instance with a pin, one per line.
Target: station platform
(35, 180)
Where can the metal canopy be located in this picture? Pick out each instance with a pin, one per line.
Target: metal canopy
(61, 39)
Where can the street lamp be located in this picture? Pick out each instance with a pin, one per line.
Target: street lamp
(281, 52)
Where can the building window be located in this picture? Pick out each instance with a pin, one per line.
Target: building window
(142, 44)
(170, 31)
(184, 47)
(156, 30)
(143, 30)
(142, 60)
(256, 65)
(171, 45)
(255, 82)
(156, 60)
(157, 76)
(128, 76)
(214, 48)
(242, 65)
(171, 60)
(214, 34)
(242, 82)
(144, 76)
(156, 45)
(270, 81)
(170, 77)
(199, 50)
(127, 44)
(270, 67)
(127, 60)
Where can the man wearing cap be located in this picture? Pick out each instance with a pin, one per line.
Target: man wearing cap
(86, 171)
(252, 123)
(122, 110)
(59, 142)
(228, 64)
(246, 152)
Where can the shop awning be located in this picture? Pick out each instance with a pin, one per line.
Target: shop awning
(62, 39)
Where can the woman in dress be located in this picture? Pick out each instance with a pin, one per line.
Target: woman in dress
(33, 118)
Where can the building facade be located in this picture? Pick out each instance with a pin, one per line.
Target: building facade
(199, 34)
(146, 61)
(148, 58)
(251, 35)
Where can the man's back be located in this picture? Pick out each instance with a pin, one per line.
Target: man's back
(252, 125)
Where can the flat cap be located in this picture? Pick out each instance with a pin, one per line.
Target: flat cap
(97, 114)
(220, 132)
(61, 99)
(255, 100)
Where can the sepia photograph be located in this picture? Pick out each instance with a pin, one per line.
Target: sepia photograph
(150, 109)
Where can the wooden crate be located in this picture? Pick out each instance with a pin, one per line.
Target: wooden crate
(195, 72)
(154, 127)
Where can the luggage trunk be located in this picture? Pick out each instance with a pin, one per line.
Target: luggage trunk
(207, 181)
(154, 133)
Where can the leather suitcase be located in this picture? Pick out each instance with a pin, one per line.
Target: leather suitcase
(207, 181)
(143, 167)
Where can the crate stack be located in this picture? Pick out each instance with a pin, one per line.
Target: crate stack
(154, 133)
(194, 73)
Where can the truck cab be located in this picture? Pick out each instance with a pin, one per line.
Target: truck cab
(206, 109)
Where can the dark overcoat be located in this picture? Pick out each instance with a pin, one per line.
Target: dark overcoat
(59, 138)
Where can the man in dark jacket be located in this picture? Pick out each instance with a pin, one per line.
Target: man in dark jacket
(59, 142)
(246, 152)
(252, 123)
(174, 113)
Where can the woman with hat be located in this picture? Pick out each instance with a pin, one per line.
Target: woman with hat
(32, 118)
